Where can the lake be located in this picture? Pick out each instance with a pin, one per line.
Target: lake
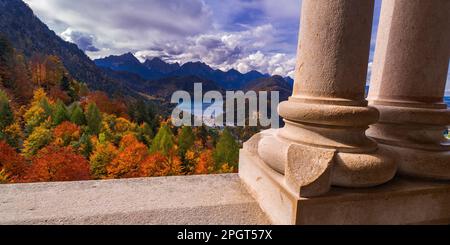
(198, 110)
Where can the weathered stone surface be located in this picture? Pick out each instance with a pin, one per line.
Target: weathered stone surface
(273, 150)
(363, 170)
(422, 163)
(212, 199)
(221, 199)
(309, 170)
(401, 201)
(267, 186)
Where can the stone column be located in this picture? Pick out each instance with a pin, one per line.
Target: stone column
(328, 109)
(323, 142)
(408, 85)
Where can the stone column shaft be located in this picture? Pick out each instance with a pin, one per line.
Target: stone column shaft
(333, 52)
(323, 142)
(328, 98)
(408, 85)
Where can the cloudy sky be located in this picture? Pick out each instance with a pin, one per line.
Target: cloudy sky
(242, 34)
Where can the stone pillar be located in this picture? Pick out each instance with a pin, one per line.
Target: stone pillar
(408, 85)
(324, 141)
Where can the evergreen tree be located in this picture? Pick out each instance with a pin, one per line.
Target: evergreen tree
(143, 112)
(44, 103)
(145, 133)
(202, 133)
(227, 150)
(186, 140)
(66, 86)
(6, 113)
(6, 62)
(163, 141)
(77, 116)
(83, 90)
(85, 145)
(60, 113)
(94, 119)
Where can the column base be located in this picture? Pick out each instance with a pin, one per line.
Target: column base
(311, 170)
(422, 163)
(401, 201)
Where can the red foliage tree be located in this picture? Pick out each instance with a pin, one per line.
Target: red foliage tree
(55, 163)
(12, 164)
(106, 105)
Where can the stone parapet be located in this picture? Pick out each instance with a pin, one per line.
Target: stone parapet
(187, 200)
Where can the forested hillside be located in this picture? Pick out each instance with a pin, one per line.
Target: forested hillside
(54, 128)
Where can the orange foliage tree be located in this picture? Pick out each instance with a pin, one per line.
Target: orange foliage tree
(12, 165)
(127, 162)
(55, 163)
(154, 165)
(158, 164)
(65, 133)
(205, 162)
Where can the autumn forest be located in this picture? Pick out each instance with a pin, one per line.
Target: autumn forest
(55, 128)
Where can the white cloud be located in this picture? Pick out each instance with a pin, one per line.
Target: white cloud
(242, 51)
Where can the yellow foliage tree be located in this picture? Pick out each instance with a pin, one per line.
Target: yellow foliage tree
(103, 154)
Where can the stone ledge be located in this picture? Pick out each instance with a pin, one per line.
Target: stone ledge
(216, 199)
(207, 199)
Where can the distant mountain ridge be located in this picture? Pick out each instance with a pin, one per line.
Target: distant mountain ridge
(156, 68)
(157, 64)
(128, 62)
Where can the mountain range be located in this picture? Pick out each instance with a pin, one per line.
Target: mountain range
(123, 75)
(154, 69)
